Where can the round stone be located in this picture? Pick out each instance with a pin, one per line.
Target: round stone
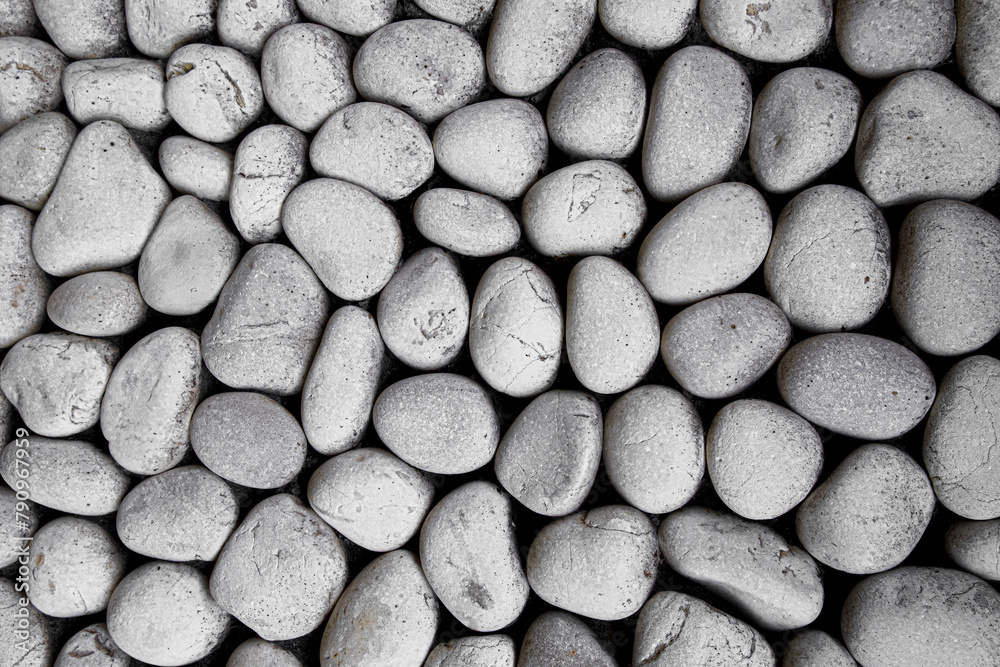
(555, 638)
(467, 223)
(24, 96)
(259, 653)
(157, 28)
(647, 24)
(196, 168)
(245, 26)
(768, 32)
(82, 30)
(474, 650)
(102, 303)
(24, 287)
(32, 154)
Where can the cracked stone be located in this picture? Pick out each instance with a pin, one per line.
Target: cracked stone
(771, 32)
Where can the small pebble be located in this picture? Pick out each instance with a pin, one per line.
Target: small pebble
(245, 26)
(647, 24)
(24, 96)
(474, 650)
(126, 90)
(19, 520)
(350, 17)
(974, 546)
(259, 653)
(156, 28)
(102, 303)
(93, 29)
(558, 639)
(92, 647)
(770, 33)
(23, 285)
(196, 168)
(815, 648)
(18, 18)
(467, 223)
(976, 47)
(28, 645)
(32, 154)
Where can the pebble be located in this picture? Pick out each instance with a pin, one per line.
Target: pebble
(184, 514)
(468, 551)
(104, 206)
(719, 347)
(33, 649)
(588, 208)
(16, 523)
(387, 616)
(558, 639)
(708, 244)
(350, 17)
(471, 15)
(548, 458)
(677, 629)
(23, 285)
(98, 484)
(532, 42)
(305, 73)
(647, 24)
(439, 422)
(512, 132)
(427, 68)
(343, 382)
(906, 158)
(869, 514)
(474, 651)
(879, 41)
(157, 28)
(974, 546)
(249, 439)
(213, 92)
(92, 647)
(763, 458)
(516, 325)
(75, 564)
(18, 18)
(699, 120)
(281, 571)
(768, 33)
(24, 96)
(267, 323)
(828, 267)
(947, 277)
(259, 653)
(32, 154)
(102, 303)
(82, 30)
(960, 436)
(467, 223)
(354, 252)
(195, 168)
(187, 259)
(56, 381)
(803, 124)
(815, 648)
(976, 51)
(126, 90)
(149, 401)
(654, 448)
(597, 110)
(371, 497)
(612, 330)
(245, 26)
(776, 586)
(856, 385)
(600, 563)
(916, 616)
(375, 146)
(423, 312)
(163, 614)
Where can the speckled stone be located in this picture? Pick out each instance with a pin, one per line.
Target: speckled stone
(38, 643)
(768, 32)
(19, 18)
(977, 47)
(196, 168)
(245, 26)
(974, 546)
(815, 648)
(472, 15)
(647, 24)
(258, 653)
(467, 223)
(94, 29)
(474, 650)
(23, 285)
(92, 647)
(157, 28)
(102, 303)
(350, 17)
(19, 521)
(32, 154)
(24, 96)
(126, 90)
(558, 639)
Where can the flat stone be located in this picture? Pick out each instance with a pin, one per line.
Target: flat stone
(196, 168)
(350, 18)
(92, 647)
(770, 33)
(101, 303)
(647, 24)
(85, 29)
(558, 639)
(126, 90)
(156, 28)
(976, 47)
(474, 650)
(467, 223)
(23, 285)
(32, 154)
(24, 96)
(245, 26)
(974, 545)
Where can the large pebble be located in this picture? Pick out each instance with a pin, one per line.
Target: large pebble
(94, 29)
(464, 222)
(104, 206)
(126, 90)
(305, 73)
(960, 438)
(24, 287)
(654, 448)
(56, 381)
(196, 168)
(213, 92)
(423, 312)
(19, 18)
(30, 81)
(350, 17)
(515, 330)
(258, 653)
(267, 323)
(913, 142)
(947, 277)
(869, 514)
(163, 614)
(974, 546)
(600, 564)
(474, 650)
(32, 154)
(549, 456)
(763, 459)
(598, 109)
(102, 303)
(269, 163)
(92, 647)
(187, 259)
(184, 514)
(343, 380)
(719, 347)
(375, 146)
(708, 244)
(149, 401)
(922, 617)
(350, 238)
(387, 616)
(768, 32)
(976, 47)
(647, 24)
(371, 497)
(815, 648)
(281, 571)
(511, 132)
(856, 385)
(532, 42)
(19, 520)
(26, 646)
(156, 28)
(828, 266)
(68, 475)
(439, 422)
(612, 330)
(558, 639)
(699, 120)
(245, 26)
(775, 585)
(75, 565)
(803, 124)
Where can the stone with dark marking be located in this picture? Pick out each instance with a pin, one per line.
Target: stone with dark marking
(30, 79)
(92, 647)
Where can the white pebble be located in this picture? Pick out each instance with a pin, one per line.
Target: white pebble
(102, 303)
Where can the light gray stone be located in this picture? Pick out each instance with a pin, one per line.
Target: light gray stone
(768, 32)
(32, 154)
(126, 90)
(38, 645)
(472, 15)
(92, 647)
(815, 648)
(7, 417)
(18, 18)
(245, 26)
(974, 546)
(259, 653)
(18, 521)
(977, 47)
(647, 24)
(21, 95)
(102, 303)
(196, 168)
(158, 27)
(23, 285)
(464, 222)
(474, 650)
(558, 639)
(351, 17)
(94, 29)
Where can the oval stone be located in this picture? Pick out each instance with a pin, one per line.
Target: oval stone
(467, 223)
(259, 653)
(474, 650)
(350, 18)
(768, 32)
(24, 96)
(974, 545)
(24, 287)
(156, 29)
(196, 168)
(32, 154)
(647, 24)
(247, 25)
(557, 639)
(126, 90)
(96, 646)
(102, 303)
(84, 30)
